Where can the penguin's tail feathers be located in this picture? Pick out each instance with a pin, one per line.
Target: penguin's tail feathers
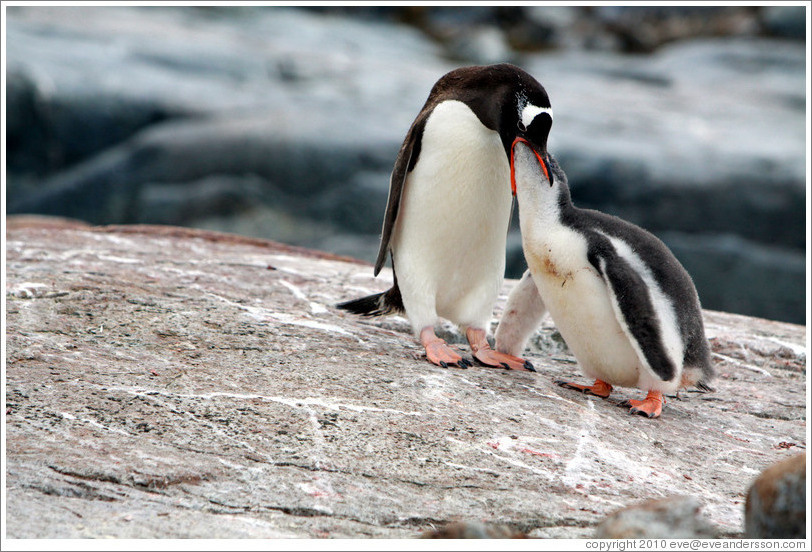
(707, 375)
(379, 304)
(700, 376)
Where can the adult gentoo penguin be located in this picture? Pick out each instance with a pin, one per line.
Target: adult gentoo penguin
(449, 205)
(625, 306)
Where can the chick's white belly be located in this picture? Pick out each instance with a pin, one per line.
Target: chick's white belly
(579, 303)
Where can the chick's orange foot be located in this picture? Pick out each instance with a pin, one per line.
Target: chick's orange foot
(599, 388)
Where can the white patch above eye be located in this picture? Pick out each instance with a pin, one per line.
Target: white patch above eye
(530, 112)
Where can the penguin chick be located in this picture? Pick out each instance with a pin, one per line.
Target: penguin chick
(625, 306)
(448, 210)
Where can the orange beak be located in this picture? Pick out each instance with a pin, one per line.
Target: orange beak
(513, 171)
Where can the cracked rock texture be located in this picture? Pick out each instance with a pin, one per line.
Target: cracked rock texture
(167, 382)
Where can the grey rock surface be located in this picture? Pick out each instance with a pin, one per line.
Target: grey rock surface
(674, 517)
(168, 382)
(284, 123)
(473, 530)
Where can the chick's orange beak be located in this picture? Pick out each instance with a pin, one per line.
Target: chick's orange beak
(544, 166)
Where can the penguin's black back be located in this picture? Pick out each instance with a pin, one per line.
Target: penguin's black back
(670, 275)
(667, 271)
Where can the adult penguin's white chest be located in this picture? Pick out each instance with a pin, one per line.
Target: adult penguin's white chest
(450, 234)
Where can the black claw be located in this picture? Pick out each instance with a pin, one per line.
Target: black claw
(529, 366)
(463, 364)
(635, 410)
(505, 365)
(443, 364)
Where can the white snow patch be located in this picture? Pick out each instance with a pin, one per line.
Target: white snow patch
(122, 260)
(263, 315)
(26, 290)
(297, 403)
(315, 308)
(798, 350)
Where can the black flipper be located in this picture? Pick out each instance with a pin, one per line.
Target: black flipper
(630, 292)
(407, 158)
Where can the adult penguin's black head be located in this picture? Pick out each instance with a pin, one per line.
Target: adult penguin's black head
(506, 99)
(527, 116)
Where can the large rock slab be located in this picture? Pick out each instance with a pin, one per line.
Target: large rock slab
(164, 382)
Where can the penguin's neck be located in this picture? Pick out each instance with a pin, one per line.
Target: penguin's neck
(542, 206)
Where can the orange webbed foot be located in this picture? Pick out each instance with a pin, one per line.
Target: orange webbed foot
(599, 388)
(651, 406)
(487, 356)
(439, 352)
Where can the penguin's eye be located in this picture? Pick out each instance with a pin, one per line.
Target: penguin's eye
(520, 126)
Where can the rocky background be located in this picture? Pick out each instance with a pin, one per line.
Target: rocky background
(284, 123)
(164, 382)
